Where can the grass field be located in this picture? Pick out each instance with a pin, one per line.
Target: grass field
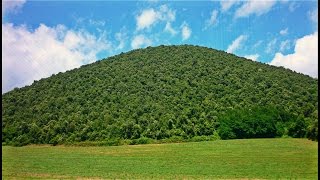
(284, 158)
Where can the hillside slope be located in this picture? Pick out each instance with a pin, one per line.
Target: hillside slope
(162, 92)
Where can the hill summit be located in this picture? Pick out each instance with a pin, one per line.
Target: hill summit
(167, 92)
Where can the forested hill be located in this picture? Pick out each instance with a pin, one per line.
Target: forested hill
(178, 92)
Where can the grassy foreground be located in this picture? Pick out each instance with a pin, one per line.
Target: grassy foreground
(222, 159)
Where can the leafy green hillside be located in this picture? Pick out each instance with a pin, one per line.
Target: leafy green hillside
(163, 92)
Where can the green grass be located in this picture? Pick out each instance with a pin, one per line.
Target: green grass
(284, 158)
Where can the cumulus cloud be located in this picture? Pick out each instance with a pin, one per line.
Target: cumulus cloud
(32, 55)
(212, 20)
(169, 29)
(253, 57)
(271, 46)
(226, 5)
(254, 7)
(305, 56)
(284, 45)
(149, 17)
(186, 31)
(11, 6)
(146, 19)
(236, 43)
(284, 31)
(140, 41)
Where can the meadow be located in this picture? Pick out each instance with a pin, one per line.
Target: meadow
(279, 158)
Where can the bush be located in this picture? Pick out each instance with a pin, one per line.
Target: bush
(259, 122)
(114, 142)
(312, 130)
(141, 140)
(215, 136)
(173, 139)
(200, 138)
(21, 140)
(298, 128)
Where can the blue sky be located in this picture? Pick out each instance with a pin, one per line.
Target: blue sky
(41, 38)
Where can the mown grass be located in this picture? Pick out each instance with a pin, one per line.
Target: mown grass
(222, 159)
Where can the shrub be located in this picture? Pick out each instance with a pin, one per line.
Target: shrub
(141, 140)
(259, 122)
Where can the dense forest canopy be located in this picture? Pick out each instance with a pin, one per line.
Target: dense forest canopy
(161, 93)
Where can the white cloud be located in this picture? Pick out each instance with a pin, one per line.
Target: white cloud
(227, 4)
(149, 17)
(11, 6)
(257, 44)
(236, 43)
(253, 57)
(284, 45)
(121, 37)
(271, 46)
(213, 19)
(313, 15)
(254, 7)
(169, 29)
(146, 19)
(186, 31)
(32, 55)
(305, 56)
(140, 41)
(284, 31)
(166, 14)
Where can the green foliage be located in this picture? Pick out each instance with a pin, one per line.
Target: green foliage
(141, 140)
(312, 129)
(260, 122)
(159, 93)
